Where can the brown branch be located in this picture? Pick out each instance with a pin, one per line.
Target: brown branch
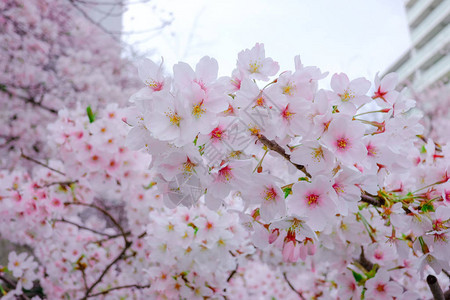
(13, 285)
(110, 237)
(99, 279)
(435, 288)
(103, 211)
(374, 200)
(292, 287)
(364, 262)
(96, 24)
(127, 245)
(8, 282)
(86, 228)
(272, 145)
(232, 273)
(9, 139)
(27, 100)
(130, 286)
(62, 183)
(39, 163)
(83, 274)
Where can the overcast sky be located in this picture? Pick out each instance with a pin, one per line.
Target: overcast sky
(357, 37)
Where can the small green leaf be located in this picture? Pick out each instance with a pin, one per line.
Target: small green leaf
(427, 207)
(287, 191)
(150, 185)
(193, 226)
(358, 277)
(2, 290)
(372, 272)
(90, 114)
(423, 149)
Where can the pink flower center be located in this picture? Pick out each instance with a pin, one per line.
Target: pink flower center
(198, 110)
(338, 188)
(260, 101)
(378, 255)
(270, 194)
(342, 143)
(371, 150)
(188, 166)
(225, 173)
(286, 114)
(155, 85)
(447, 195)
(217, 134)
(174, 118)
(209, 225)
(312, 199)
(380, 288)
(379, 94)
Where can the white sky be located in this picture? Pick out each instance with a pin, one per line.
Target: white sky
(357, 37)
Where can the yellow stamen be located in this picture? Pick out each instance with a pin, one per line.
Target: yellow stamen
(254, 67)
(174, 118)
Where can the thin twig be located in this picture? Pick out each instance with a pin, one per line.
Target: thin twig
(9, 139)
(99, 279)
(127, 244)
(374, 200)
(292, 287)
(364, 262)
(62, 183)
(27, 100)
(130, 286)
(446, 273)
(232, 273)
(83, 274)
(103, 211)
(86, 228)
(8, 282)
(39, 163)
(272, 145)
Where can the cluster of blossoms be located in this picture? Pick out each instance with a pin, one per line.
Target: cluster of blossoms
(307, 164)
(52, 57)
(98, 206)
(249, 186)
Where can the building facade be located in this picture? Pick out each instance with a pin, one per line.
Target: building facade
(427, 62)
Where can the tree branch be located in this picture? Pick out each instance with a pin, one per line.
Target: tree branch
(103, 211)
(39, 163)
(127, 244)
(9, 139)
(374, 200)
(27, 100)
(272, 145)
(11, 284)
(435, 288)
(130, 286)
(292, 287)
(86, 228)
(62, 183)
(364, 262)
(233, 273)
(99, 279)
